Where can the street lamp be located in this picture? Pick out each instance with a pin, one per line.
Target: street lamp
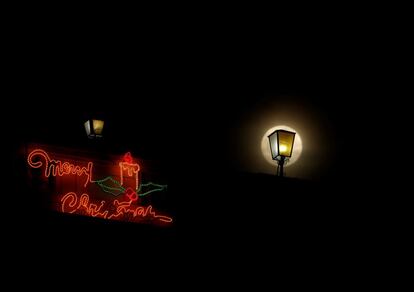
(94, 128)
(281, 146)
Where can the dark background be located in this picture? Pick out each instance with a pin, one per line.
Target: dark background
(185, 112)
(177, 99)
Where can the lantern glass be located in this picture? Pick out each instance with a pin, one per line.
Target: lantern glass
(98, 127)
(94, 128)
(281, 143)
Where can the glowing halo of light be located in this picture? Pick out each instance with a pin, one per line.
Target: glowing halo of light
(297, 146)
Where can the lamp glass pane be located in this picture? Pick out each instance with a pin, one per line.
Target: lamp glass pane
(88, 128)
(98, 127)
(286, 140)
(273, 144)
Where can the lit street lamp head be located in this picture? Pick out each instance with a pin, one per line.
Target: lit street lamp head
(281, 146)
(94, 128)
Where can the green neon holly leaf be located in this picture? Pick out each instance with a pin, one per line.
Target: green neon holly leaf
(111, 186)
(148, 188)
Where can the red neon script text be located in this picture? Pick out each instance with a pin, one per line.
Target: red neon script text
(56, 167)
(72, 204)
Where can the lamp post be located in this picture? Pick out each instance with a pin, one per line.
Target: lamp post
(94, 128)
(281, 147)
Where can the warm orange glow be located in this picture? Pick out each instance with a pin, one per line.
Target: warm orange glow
(132, 169)
(72, 204)
(56, 167)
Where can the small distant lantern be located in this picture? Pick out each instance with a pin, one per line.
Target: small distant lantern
(94, 128)
(281, 147)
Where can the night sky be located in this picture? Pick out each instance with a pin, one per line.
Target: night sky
(203, 112)
(201, 108)
(206, 117)
(200, 123)
(195, 88)
(202, 102)
(199, 103)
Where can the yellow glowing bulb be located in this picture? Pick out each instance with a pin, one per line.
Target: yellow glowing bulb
(98, 126)
(282, 148)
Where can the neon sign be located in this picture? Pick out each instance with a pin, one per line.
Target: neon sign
(131, 168)
(57, 168)
(72, 204)
(125, 208)
(131, 195)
